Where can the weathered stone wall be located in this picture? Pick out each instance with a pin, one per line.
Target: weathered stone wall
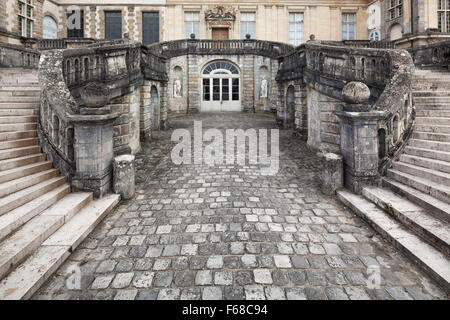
(252, 70)
(323, 125)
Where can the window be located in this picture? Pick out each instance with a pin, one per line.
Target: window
(150, 27)
(49, 28)
(75, 23)
(444, 15)
(248, 24)
(192, 23)
(375, 35)
(25, 26)
(113, 25)
(295, 28)
(348, 26)
(395, 9)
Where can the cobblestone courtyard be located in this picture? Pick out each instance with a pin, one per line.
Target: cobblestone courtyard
(226, 232)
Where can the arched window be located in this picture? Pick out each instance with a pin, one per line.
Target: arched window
(220, 67)
(375, 35)
(49, 28)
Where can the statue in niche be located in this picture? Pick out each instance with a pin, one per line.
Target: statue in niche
(264, 88)
(177, 88)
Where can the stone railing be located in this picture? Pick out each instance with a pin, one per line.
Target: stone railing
(226, 47)
(50, 44)
(368, 44)
(18, 56)
(386, 109)
(76, 117)
(153, 65)
(434, 54)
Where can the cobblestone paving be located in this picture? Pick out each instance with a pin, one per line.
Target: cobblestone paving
(226, 232)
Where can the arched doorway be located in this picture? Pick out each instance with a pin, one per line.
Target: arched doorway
(290, 108)
(221, 89)
(49, 28)
(155, 112)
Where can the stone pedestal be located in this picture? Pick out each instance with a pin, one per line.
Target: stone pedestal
(93, 153)
(332, 177)
(359, 146)
(124, 176)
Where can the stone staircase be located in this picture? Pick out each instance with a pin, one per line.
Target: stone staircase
(41, 221)
(412, 206)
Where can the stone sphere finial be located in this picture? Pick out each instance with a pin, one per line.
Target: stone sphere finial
(248, 36)
(192, 35)
(312, 37)
(356, 93)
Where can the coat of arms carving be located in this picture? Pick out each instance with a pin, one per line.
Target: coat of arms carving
(220, 15)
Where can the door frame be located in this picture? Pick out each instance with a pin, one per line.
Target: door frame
(219, 106)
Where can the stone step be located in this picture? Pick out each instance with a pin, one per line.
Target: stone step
(17, 119)
(427, 93)
(19, 152)
(17, 135)
(21, 161)
(17, 217)
(19, 143)
(70, 205)
(432, 106)
(441, 137)
(428, 144)
(432, 99)
(30, 99)
(79, 227)
(10, 187)
(23, 171)
(433, 230)
(436, 129)
(19, 93)
(433, 113)
(26, 279)
(431, 260)
(433, 175)
(20, 244)
(18, 127)
(18, 112)
(9, 88)
(437, 165)
(433, 120)
(436, 207)
(18, 105)
(427, 153)
(429, 187)
(18, 199)
(430, 85)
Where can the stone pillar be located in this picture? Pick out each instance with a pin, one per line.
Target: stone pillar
(359, 141)
(123, 176)
(248, 80)
(193, 77)
(145, 111)
(332, 177)
(93, 153)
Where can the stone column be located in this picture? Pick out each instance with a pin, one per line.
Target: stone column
(123, 176)
(332, 173)
(93, 153)
(359, 141)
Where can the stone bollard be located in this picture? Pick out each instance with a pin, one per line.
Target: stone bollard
(123, 176)
(332, 173)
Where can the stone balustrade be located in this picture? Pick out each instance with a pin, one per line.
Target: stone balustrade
(18, 56)
(435, 54)
(177, 48)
